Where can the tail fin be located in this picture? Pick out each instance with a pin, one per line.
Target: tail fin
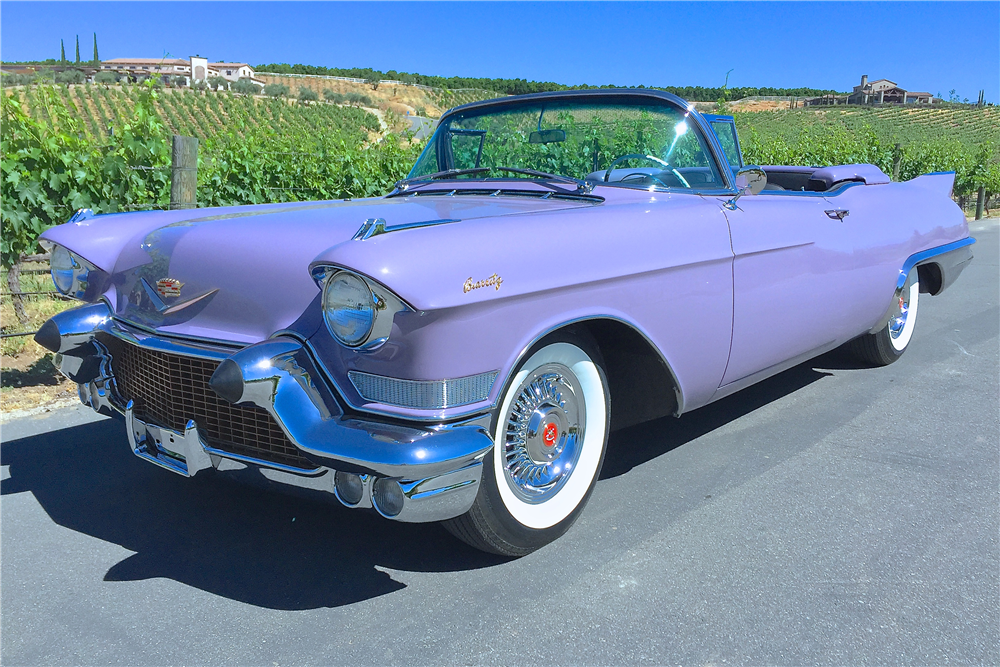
(939, 181)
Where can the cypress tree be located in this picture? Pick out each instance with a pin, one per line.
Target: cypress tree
(78, 49)
(62, 52)
(96, 59)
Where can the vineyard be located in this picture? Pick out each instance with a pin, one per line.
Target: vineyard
(966, 125)
(205, 115)
(446, 98)
(56, 159)
(903, 142)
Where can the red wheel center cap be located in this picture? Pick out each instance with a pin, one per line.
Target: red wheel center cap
(549, 434)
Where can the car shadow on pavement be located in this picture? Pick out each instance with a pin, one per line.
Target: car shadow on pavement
(636, 445)
(246, 543)
(262, 545)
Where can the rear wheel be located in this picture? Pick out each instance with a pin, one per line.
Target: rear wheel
(884, 347)
(549, 434)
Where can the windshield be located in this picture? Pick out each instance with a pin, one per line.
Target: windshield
(613, 143)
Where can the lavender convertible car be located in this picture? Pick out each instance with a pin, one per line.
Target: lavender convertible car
(555, 267)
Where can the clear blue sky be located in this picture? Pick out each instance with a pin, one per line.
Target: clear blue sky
(931, 46)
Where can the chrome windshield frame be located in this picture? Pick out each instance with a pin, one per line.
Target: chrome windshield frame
(605, 96)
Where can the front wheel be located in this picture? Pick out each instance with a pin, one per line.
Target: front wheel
(549, 434)
(884, 347)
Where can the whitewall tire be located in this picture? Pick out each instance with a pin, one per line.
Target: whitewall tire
(889, 343)
(550, 432)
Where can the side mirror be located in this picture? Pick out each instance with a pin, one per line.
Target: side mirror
(749, 181)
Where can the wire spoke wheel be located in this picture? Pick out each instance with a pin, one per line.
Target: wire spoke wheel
(545, 428)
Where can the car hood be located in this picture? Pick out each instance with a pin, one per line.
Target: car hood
(242, 273)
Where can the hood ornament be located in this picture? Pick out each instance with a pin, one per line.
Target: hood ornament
(377, 226)
(168, 287)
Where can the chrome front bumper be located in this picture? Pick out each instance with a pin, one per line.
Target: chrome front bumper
(433, 470)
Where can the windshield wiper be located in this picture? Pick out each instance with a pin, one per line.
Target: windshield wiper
(581, 186)
(447, 173)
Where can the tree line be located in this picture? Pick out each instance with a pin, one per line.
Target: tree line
(523, 86)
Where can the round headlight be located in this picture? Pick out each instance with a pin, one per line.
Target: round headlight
(62, 265)
(349, 308)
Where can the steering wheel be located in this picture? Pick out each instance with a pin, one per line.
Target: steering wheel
(651, 158)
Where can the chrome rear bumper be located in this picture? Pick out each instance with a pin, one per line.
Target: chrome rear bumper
(433, 472)
(944, 264)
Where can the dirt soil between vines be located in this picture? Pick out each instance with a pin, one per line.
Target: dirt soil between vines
(29, 382)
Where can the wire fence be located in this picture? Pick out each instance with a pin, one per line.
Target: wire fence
(34, 292)
(122, 209)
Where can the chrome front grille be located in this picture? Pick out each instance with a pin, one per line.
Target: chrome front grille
(170, 389)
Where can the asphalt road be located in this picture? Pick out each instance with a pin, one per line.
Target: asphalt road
(830, 515)
(422, 127)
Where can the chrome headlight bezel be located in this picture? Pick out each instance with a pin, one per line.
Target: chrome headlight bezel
(384, 306)
(74, 276)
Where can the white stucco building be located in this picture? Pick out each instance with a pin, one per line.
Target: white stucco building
(194, 69)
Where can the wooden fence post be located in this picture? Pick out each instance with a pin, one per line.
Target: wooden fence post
(980, 202)
(14, 287)
(184, 173)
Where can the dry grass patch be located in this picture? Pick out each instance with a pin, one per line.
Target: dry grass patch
(397, 98)
(27, 382)
(27, 377)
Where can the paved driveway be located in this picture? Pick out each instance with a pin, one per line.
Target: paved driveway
(422, 127)
(829, 515)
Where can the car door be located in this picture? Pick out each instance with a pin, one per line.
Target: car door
(793, 280)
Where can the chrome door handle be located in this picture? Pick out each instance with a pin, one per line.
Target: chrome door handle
(837, 213)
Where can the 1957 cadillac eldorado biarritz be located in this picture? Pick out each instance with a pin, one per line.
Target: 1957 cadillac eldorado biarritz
(554, 267)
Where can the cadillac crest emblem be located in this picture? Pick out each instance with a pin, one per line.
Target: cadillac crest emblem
(169, 287)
